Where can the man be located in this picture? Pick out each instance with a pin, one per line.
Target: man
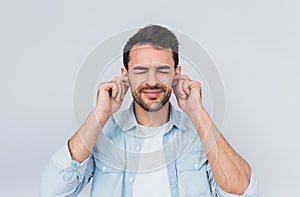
(151, 149)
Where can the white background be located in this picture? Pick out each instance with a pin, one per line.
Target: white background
(255, 45)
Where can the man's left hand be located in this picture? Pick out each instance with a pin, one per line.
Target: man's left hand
(188, 94)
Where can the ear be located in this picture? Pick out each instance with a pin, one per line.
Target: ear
(178, 69)
(123, 71)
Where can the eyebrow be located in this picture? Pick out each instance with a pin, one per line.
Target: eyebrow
(163, 67)
(140, 68)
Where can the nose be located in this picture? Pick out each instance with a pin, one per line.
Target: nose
(151, 78)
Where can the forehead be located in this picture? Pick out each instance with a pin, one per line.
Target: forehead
(145, 54)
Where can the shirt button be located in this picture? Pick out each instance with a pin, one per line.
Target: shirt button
(130, 180)
(196, 165)
(103, 168)
(138, 148)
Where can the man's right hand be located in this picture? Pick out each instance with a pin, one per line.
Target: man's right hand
(110, 95)
(109, 100)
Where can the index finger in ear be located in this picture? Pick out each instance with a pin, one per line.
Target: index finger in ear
(124, 80)
(177, 72)
(176, 79)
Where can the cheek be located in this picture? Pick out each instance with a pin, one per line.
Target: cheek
(133, 85)
(169, 84)
(169, 81)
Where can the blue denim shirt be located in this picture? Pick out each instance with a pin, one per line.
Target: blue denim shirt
(114, 161)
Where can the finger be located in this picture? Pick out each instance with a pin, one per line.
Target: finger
(119, 87)
(124, 85)
(114, 89)
(182, 77)
(175, 82)
(125, 82)
(177, 87)
(185, 77)
(180, 89)
(197, 85)
(119, 93)
(124, 79)
(186, 87)
(177, 77)
(125, 88)
(177, 72)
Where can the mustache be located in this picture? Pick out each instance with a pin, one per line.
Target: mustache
(156, 87)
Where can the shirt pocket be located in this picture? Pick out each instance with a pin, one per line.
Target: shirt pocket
(107, 180)
(192, 176)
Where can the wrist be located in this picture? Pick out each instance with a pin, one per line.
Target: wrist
(101, 114)
(196, 114)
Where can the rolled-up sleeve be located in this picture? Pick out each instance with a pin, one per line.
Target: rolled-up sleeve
(63, 176)
(251, 190)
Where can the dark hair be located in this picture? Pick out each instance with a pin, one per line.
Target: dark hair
(155, 35)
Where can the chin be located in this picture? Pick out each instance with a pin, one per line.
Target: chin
(152, 107)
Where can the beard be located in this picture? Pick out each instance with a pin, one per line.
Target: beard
(152, 104)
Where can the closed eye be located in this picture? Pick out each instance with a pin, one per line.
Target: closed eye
(164, 69)
(140, 72)
(164, 72)
(140, 69)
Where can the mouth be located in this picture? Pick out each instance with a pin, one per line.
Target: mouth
(152, 93)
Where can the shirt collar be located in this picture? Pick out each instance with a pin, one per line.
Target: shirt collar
(127, 120)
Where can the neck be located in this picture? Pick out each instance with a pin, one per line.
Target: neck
(152, 119)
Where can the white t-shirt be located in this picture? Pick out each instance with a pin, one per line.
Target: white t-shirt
(152, 178)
